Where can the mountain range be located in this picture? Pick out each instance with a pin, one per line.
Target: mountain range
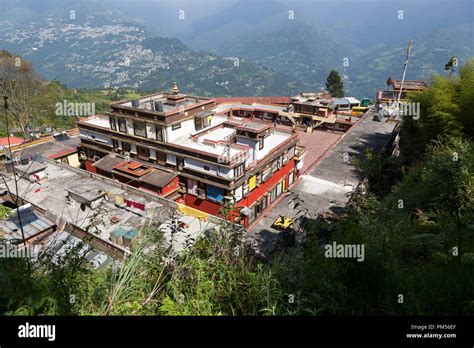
(236, 47)
(102, 49)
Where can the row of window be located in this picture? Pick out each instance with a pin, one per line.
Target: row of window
(142, 152)
(139, 128)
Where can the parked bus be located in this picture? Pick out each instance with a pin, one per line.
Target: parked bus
(359, 110)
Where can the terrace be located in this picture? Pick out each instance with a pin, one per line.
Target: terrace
(214, 140)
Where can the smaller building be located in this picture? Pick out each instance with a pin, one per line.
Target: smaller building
(33, 224)
(60, 147)
(319, 110)
(11, 141)
(410, 85)
(315, 103)
(340, 104)
(156, 179)
(353, 102)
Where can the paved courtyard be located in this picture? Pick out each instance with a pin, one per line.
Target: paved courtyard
(326, 186)
(316, 144)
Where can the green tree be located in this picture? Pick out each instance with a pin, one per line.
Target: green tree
(446, 109)
(334, 84)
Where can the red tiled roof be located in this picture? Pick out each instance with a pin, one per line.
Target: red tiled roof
(63, 153)
(249, 100)
(132, 167)
(13, 141)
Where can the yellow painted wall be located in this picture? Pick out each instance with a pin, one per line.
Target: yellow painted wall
(73, 160)
(252, 182)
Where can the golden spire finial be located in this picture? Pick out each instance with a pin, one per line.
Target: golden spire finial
(175, 88)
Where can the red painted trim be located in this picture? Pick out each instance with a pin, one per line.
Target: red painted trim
(63, 153)
(90, 167)
(264, 187)
(172, 186)
(202, 204)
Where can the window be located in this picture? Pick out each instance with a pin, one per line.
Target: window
(159, 133)
(279, 189)
(192, 187)
(291, 152)
(245, 190)
(198, 123)
(285, 157)
(238, 194)
(126, 147)
(122, 123)
(261, 143)
(113, 123)
(207, 168)
(176, 126)
(273, 194)
(215, 193)
(260, 206)
(139, 129)
(201, 190)
(251, 215)
(143, 152)
(239, 170)
(179, 163)
(115, 144)
(161, 157)
(266, 175)
(274, 166)
(291, 178)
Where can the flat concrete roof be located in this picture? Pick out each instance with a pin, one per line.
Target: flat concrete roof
(98, 120)
(51, 195)
(30, 168)
(255, 126)
(51, 149)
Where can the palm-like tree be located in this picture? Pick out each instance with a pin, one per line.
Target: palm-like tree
(452, 64)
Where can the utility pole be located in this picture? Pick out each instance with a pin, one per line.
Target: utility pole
(5, 99)
(410, 45)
